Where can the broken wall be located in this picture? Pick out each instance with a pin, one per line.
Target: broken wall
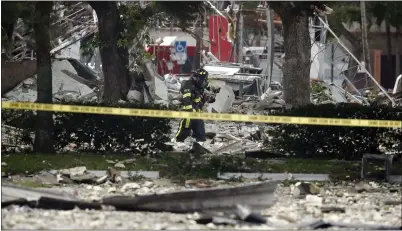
(13, 73)
(61, 83)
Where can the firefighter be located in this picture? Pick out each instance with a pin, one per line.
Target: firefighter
(193, 100)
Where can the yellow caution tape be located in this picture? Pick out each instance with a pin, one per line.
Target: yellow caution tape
(202, 116)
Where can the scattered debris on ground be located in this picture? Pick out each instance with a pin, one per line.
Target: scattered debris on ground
(341, 206)
(188, 201)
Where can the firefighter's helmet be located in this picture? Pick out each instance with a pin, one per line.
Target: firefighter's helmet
(201, 77)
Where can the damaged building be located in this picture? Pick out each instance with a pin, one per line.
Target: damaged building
(251, 85)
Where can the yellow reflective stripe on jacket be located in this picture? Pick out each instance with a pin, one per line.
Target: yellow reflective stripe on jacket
(180, 128)
(187, 95)
(188, 107)
(197, 100)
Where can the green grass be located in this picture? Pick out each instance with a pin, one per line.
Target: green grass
(31, 184)
(181, 166)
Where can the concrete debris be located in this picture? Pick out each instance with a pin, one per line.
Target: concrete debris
(130, 186)
(304, 188)
(143, 191)
(81, 170)
(313, 199)
(340, 209)
(270, 100)
(84, 178)
(363, 187)
(119, 165)
(274, 176)
(113, 175)
(272, 91)
(102, 179)
(111, 190)
(63, 179)
(47, 178)
(148, 184)
(80, 175)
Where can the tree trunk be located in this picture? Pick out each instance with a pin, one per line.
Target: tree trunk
(389, 51)
(398, 53)
(296, 66)
(366, 50)
(44, 123)
(114, 58)
(199, 32)
(237, 41)
(98, 61)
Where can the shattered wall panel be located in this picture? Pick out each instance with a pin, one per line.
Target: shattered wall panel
(26, 91)
(13, 73)
(223, 101)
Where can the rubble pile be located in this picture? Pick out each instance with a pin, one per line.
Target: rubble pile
(67, 85)
(80, 175)
(10, 139)
(302, 205)
(74, 22)
(227, 138)
(81, 84)
(74, 175)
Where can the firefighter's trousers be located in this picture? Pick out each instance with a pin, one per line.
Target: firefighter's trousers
(187, 125)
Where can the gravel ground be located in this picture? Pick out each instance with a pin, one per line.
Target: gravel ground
(380, 206)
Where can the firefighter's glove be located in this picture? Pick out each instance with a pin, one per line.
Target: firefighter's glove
(208, 99)
(211, 99)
